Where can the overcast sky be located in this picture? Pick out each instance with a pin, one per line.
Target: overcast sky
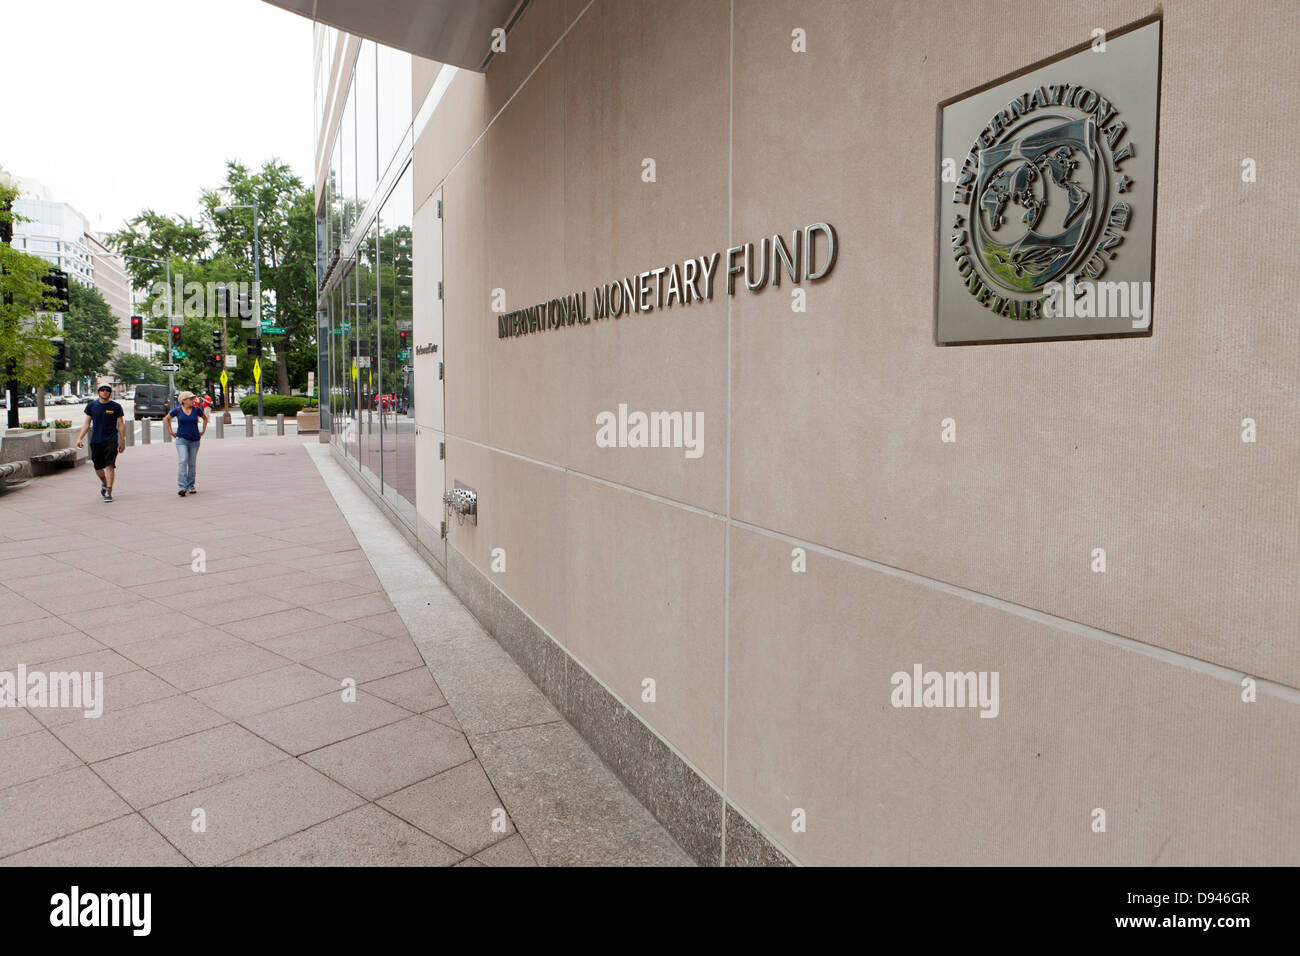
(132, 104)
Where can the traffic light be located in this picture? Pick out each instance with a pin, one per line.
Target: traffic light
(255, 347)
(56, 281)
(61, 362)
(176, 331)
(401, 339)
(217, 343)
(137, 327)
(215, 360)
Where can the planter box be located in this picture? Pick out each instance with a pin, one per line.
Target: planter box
(308, 422)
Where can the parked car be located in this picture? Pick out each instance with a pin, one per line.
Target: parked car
(151, 402)
(26, 401)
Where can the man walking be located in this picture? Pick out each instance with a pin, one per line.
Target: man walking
(107, 425)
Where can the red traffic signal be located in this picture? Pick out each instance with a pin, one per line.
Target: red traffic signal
(176, 330)
(137, 327)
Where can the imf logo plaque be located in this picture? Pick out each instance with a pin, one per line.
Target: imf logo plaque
(1047, 199)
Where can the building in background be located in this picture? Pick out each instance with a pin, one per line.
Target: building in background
(61, 235)
(727, 629)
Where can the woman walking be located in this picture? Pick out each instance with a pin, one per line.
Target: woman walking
(191, 423)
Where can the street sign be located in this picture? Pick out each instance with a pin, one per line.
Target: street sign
(311, 384)
(272, 330)
(232, 361)
(408, 369)
(169, 367)
(177, 353)
(403, 355)
(223, 379)
(257, 371)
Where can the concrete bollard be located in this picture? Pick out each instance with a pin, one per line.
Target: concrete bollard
(129, 434)
(146, 431)
(220, 422)
(279, 424)
(248, 426)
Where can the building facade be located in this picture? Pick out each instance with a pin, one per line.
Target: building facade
(743, 612)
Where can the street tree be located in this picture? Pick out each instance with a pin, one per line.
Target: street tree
(26, 349)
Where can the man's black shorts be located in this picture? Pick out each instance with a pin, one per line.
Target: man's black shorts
(103, 454)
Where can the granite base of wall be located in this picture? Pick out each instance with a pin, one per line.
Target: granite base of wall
(684, 803)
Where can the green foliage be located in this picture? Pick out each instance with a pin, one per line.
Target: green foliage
(219, 248)
(286, 405)
(24, 339)
(138, 370)
(57, 423)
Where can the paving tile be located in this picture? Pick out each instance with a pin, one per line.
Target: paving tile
(105, 661)
(17, 610)
(87, 594)
(193, 640)
(335, 636)
(415, 690)
(121, 692)
(266, 691)
(124, 731)
(444, 716)
(235, 608)
(140, 621)
(389, 624)
(13, 570)
(186, 764)
(32, 756)
(456, 807)
(309, 724)
(369, 661)
(37, 652)
(470, 861)
(250, 811)
(389, 758)
(41, 810)
(218, 667)
(126, 841)
(366, 836)
(270, 626)
(512, 851)
(15, 721)
(49, 626)
(350, 608)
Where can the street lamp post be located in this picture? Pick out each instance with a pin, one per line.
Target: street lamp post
(257, 291)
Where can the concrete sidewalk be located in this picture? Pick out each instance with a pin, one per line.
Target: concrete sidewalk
(264, 702)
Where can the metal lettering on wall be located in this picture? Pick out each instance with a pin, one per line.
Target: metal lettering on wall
(1047, 199)
(808, 255)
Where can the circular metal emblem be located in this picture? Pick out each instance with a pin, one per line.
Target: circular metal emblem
(1038, 191)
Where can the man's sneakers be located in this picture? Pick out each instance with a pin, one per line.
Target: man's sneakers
(108, 494)
(103, 490)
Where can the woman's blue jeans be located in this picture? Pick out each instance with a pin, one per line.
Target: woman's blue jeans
(187, 452)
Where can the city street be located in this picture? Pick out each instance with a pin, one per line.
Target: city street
(277, 661)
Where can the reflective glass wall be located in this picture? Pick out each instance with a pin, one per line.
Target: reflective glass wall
(366, 300)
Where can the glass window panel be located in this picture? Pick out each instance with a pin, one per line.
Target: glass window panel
(398, 433)
(366, 117)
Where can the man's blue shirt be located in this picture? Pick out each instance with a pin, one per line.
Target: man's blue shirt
(104, 417)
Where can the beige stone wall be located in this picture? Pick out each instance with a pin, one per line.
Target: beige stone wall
(1118, 690)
